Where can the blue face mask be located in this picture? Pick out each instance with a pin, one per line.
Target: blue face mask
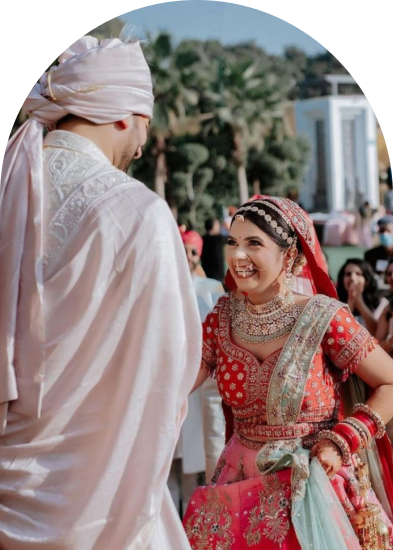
(386, 239)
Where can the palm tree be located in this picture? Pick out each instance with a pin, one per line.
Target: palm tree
(247, 100)
(168, 102)
(175, 78)
(194, 155)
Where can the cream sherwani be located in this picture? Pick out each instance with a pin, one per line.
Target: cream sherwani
(88, 444)
(202, 437)
(208, 291)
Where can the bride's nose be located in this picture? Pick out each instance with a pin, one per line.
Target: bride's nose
(239, 255)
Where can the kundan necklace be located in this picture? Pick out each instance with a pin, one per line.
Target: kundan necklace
(260, 324)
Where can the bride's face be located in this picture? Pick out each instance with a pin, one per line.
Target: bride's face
(254, 259)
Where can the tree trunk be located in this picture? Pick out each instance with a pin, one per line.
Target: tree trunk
(191, 198)
(161, 169)
(240, 160)
(190, 187)
(256, 186)
(193, 216)
(243, 185)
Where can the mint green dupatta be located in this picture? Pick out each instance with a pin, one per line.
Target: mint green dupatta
(318, 517)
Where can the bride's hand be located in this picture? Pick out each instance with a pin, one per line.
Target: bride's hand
(329, 455)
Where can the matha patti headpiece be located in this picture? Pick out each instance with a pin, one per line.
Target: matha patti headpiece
(261, 212)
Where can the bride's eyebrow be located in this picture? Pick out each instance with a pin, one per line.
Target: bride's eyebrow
(254, 238)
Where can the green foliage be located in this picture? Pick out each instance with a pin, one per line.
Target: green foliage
(281, 166)
(194, 155)
(218, 111)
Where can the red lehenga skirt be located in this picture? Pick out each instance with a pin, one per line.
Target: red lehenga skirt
(242, 510)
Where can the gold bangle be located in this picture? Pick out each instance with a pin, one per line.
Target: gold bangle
(339, 441)
(374, 416)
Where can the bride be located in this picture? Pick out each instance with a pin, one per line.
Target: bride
(287, 477)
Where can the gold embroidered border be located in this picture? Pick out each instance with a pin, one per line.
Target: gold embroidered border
(352, 348)
(289, 377)
(246, 358)
(257, 374)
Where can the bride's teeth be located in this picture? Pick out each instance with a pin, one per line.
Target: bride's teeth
(245, 272)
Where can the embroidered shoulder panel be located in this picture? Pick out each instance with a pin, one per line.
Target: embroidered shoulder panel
(347, 342)
(73, 183)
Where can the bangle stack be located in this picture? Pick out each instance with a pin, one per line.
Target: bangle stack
(362, 430)
(370, 418)
(355, 432)
(351, 436)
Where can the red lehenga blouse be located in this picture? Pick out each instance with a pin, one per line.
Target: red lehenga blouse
(297, 389)
(251, 388)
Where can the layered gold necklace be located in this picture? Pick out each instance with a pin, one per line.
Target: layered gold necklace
(260, 324)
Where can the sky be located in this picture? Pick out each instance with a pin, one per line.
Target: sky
(229, 23)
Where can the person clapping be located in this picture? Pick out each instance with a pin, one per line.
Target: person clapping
(357, 287)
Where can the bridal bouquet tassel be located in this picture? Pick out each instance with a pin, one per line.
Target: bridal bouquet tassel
(370, 528)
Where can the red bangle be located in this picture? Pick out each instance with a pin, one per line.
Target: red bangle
(361, 429)
(379, 423)
(350, 435)
(367, 421)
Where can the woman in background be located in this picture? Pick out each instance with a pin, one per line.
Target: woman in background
(357, 287)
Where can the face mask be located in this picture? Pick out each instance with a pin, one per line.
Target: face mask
(386, 239)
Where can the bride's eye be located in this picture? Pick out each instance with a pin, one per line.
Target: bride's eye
(255, 243)
(231, 242)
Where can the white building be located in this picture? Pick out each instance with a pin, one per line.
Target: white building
(342, 131)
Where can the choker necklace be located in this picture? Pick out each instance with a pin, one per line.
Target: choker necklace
(260, 324)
